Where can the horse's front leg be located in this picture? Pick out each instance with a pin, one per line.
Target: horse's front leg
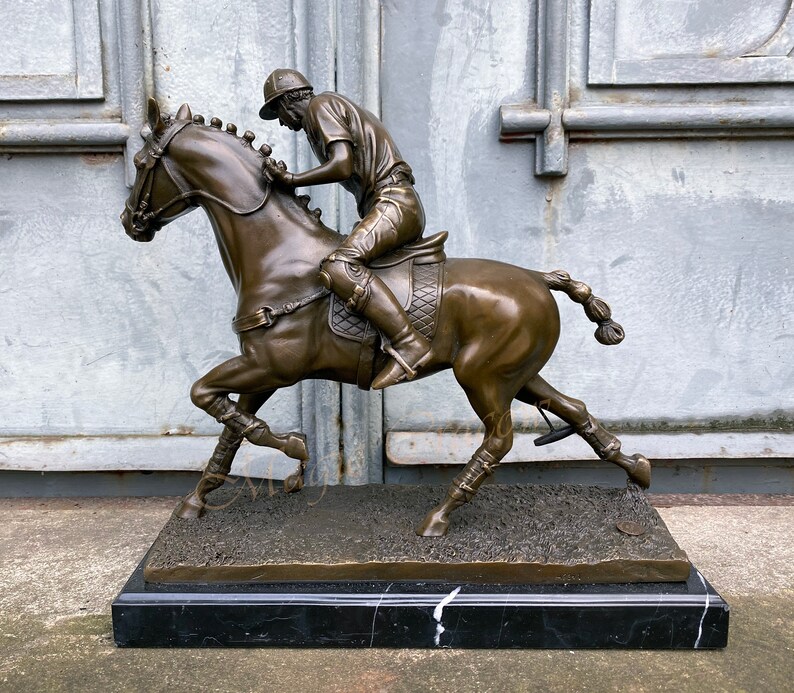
(219, 465)
(246, 376)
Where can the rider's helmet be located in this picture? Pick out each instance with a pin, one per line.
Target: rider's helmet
(278, 83)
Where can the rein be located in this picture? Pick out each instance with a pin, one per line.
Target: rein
(157, 150)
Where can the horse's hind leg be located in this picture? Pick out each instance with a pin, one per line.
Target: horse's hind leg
(606, 445)
(492, 405)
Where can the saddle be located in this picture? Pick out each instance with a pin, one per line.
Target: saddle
(415, 275)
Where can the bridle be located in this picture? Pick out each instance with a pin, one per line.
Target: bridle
(140, 215)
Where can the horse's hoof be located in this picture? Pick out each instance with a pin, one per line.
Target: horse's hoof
(294, 482)
(640, 473)
(435, 524)
(296, 447)
(191, 508)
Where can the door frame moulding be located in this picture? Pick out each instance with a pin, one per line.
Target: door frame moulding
(38, 133)
(551, 122)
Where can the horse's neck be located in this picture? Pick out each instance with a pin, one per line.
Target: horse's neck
(272, 256)
(271, 245)
(281, 229)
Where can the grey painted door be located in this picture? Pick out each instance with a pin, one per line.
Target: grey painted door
(644, 147)
(103, 337)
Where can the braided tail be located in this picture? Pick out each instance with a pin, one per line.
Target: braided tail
(608, 331)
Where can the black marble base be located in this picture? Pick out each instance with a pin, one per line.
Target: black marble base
(683, 615)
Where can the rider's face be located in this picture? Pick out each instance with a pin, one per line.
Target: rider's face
(290, 114)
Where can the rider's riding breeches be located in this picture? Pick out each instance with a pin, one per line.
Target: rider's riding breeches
(395, 218)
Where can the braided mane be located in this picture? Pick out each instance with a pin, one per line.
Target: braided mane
(252, 160)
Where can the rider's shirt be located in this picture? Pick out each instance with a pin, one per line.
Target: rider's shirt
(331, 117)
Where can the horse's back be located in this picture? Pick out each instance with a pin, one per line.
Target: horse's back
(498, 286)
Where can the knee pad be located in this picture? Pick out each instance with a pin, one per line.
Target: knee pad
(347, 279)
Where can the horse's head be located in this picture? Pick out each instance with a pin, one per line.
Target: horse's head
(206, 166)
(155, 198)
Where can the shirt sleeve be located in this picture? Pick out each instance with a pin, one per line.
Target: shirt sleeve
(326, 122)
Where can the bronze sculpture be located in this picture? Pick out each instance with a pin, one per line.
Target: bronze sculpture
(494, 324)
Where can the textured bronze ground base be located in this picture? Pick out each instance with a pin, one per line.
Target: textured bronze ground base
(509, 534)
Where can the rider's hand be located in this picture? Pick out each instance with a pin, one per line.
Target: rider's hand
(278, 173)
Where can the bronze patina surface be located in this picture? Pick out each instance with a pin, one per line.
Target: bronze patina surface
(495, 325)
(515, 534)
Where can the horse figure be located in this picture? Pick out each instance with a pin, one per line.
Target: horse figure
(496, 325)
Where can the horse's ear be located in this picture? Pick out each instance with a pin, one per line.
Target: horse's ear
(184, 113)
(153, 116)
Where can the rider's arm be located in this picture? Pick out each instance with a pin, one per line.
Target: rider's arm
(339, 167)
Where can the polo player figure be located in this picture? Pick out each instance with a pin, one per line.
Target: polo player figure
(356, 150)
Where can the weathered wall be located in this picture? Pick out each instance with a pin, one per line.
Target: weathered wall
(688, 237)
(103, 336)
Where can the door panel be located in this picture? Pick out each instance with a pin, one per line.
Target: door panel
(647, 154)
(688, 239)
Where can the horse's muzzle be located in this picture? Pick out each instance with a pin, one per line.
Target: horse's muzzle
(135, 232)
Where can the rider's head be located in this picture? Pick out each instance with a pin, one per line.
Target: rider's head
(287, 93)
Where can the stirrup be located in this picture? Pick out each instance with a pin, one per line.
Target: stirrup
(410, 373)
(554, 434)
(385, 378)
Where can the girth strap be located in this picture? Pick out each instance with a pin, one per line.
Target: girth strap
(267, 316)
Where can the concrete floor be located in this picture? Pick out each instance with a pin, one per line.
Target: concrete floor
(63, 560)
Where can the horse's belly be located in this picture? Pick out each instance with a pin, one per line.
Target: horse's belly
(300, 345)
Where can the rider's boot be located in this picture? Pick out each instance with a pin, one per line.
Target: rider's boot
(408, 349)
(368, 295)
